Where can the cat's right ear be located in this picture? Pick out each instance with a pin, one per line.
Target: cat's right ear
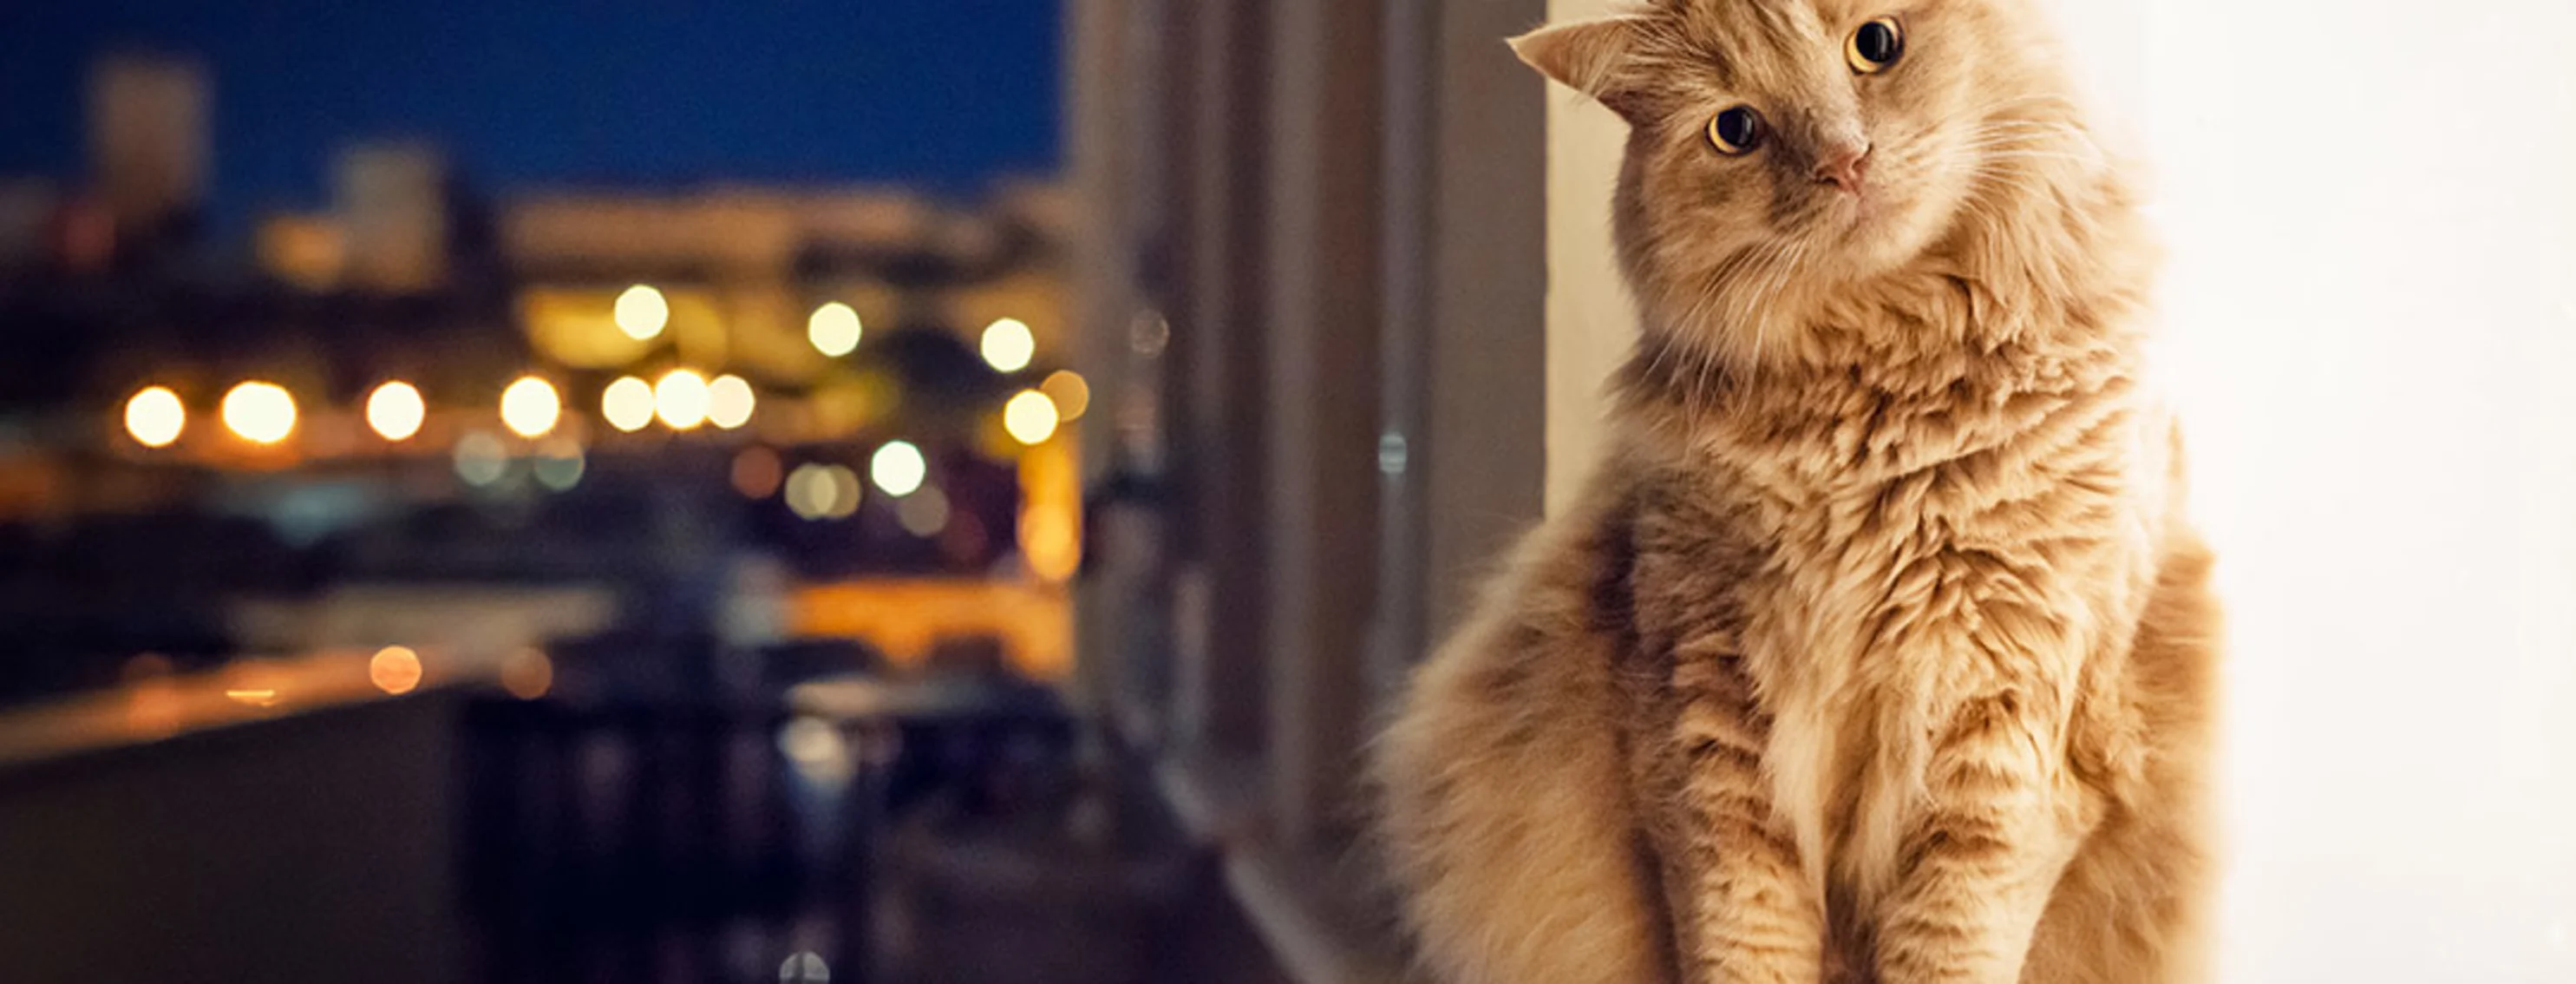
(1585, 56)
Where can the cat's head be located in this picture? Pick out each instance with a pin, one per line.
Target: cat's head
(1780, 146)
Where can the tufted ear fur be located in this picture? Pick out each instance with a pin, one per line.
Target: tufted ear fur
(1585, 56)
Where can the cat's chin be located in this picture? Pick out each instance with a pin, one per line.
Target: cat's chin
(1875, 234)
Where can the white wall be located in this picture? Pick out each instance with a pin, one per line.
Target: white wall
(1590, 324)
(2371, 328)
(2372, 317)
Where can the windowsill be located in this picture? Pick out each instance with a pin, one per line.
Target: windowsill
(1318, 927)
(1217, 796)
(1317, 923)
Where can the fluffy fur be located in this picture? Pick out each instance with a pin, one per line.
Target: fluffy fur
(1878, 649)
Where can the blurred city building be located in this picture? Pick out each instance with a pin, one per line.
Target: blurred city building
(149, 140)
(391, 200)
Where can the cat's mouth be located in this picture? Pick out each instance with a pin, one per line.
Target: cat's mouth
(1853, 215)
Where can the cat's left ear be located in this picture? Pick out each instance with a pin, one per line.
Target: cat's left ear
(1585, 56)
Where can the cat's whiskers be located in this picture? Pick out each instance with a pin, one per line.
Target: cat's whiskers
(1760, 307)
(1718, 283)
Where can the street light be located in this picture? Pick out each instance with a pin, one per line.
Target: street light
(395, 411)
(154, 416)
(834, 329)
(259, 412)
(680, 399)
(1008, 346)
(641, 312)
(530, 407)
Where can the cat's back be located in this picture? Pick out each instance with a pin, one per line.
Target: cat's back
(1507, 805)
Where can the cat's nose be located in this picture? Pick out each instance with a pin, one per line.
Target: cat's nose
(1843, 165)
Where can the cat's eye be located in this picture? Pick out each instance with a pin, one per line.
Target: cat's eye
(1875, 45)
(1735, 130)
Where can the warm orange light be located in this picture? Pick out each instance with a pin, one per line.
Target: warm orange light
(261, 413)
(395, 411)
(680, 399)
(154, 417)
(530, 407)
(528, 674)
(756, 472)
(1071, 393)
(1049, 542)
(394, 670)
(256, 697)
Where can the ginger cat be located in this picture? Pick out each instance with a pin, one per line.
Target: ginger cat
(1878, 649)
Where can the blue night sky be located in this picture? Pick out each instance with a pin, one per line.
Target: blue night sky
(949, 93)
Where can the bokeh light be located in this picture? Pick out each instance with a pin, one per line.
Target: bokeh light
(816, 750)
(395, 411)
(1030, 417)
(559, 463)
(820, 491)
(642, 311)
(394, 670)
(627, 404)
(154, 417)
(680, 399)
(1008, 346)
(261, 413)
(481, 459)
(527, 674)
(923, 513)
(806, 967)
(898, 468)
(729, 401)
(1052, 547)
(1071, 393)
(834, 329)
(756, 472)
(530, 407)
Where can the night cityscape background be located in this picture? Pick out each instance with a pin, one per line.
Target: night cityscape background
(657, 417)
(928, 491)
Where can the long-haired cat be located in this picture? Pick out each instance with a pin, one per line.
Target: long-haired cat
(1878, 649)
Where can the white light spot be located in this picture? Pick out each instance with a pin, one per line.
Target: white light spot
(261, 413)
(154, 417)
(530, 407)
(680, 399)
(834, 329)
(395, 410)
(898, 468)
(729, 401)
(641, 312)
(628, 404)
(1030, 417)
(1008, 346)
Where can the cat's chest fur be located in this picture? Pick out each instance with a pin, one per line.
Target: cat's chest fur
(1864, 555)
